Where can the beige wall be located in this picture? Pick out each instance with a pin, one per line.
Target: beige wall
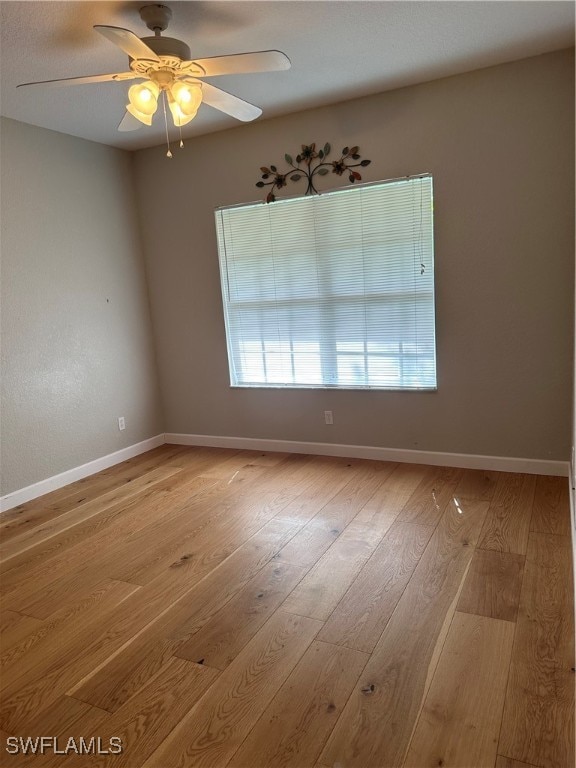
(499, 143)
(76, 336)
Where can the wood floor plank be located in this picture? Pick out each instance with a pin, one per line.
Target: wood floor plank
(38, 511)
(150, 552)
(312, 500)
(477, 484)
(147, 718)
(323, 587)
(89, 486)
(361, 616)
(52, 639)
(231, 519)
(226, 470)
(538, 722)
(14, 627)
(460, 720)
(508, 521)
(551, 510)
(80, 514)
(312, 541)
(4, 736)
(261, 499)
(295, 726)
(221, 639)
(201, 458)
(48, 670)
(321, 532)
(268, 458)
(76, 549)
(507, 762)
(65, 718)
(155, 634)
(427, 503)
(382, 509)
(376, 725)
(214, 729)
(492, 587)
(184, 496)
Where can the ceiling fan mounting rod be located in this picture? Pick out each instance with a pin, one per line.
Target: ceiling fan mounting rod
(156, 17)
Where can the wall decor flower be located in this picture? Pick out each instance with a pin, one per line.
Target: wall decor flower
(310, 162)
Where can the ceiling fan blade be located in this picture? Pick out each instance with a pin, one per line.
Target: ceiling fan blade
(129, 123)
(226, 102)
(244, 63)
(127, 41)
(116, 76)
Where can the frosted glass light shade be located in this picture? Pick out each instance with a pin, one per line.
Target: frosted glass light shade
(146, 119)
(178, 116)
(187, 96)
(143, 101)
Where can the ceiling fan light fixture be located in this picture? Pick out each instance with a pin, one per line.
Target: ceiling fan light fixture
(143, 99)
(165, 66)
(188, 97)
(146, 119)
(178, 116)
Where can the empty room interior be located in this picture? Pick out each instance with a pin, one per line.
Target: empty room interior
(288, 385)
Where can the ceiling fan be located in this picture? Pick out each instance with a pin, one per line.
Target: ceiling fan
(167, 72)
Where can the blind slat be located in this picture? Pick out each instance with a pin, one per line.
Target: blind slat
(332, 291)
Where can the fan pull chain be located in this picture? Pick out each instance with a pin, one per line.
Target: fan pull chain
(180, 129)
(168, 153)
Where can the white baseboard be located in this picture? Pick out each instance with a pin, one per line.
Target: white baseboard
(77, 473)
(464, 460)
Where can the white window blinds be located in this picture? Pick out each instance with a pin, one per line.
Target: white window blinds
(334, 290)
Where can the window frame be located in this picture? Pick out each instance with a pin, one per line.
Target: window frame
(328, 307)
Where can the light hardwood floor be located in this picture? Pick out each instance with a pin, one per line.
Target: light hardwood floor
(213, 607)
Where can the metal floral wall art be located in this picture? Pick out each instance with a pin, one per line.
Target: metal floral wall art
(310, 163)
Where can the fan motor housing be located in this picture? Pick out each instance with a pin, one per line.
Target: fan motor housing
(168, 46)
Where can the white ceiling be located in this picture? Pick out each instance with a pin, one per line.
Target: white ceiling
(338, 50)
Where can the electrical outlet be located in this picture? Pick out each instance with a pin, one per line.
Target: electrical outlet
(121, 423)
(328, 418)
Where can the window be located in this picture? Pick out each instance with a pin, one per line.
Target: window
(334, 290)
